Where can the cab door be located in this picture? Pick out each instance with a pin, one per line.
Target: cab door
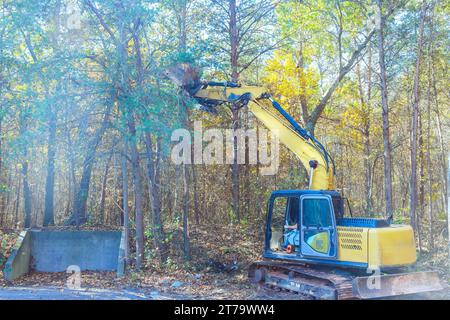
(318, 227)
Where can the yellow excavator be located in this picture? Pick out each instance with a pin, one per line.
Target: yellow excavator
(312, 246)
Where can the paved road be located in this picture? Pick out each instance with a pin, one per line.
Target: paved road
(53, 293)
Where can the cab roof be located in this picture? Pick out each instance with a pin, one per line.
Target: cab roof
(290, 193)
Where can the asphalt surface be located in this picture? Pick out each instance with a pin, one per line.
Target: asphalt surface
(53, 293)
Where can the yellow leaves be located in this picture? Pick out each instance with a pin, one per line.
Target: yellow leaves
(288, 81)
(21, 87)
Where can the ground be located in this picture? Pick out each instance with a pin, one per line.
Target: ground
(105, 285)
(217, 270)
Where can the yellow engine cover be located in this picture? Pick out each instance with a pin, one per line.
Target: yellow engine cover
(378, 247)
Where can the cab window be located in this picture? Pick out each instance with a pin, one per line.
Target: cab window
(292, 211)
(316, 212)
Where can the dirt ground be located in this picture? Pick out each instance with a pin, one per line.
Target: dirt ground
(152, 286)
(105, 285)
(189, 285)
(216, 270)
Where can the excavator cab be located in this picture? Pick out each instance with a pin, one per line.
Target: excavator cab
(301, 223)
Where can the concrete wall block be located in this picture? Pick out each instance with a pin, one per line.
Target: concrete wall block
(121, 263)
(18, 263)
(54, 251)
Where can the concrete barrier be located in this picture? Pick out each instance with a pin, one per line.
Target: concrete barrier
(122, 260)
(18, 262)
(56, 250)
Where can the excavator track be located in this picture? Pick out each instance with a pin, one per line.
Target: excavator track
(304, 280)
(339, 284)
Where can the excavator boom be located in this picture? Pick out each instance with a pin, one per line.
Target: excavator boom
(310, 151)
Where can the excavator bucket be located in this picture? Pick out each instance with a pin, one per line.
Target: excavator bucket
(183, 75)
(187, 77)
(383, 286)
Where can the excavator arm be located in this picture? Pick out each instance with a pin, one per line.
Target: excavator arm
(311, 152)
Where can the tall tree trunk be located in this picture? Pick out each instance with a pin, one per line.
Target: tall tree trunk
(72, 178)
(82, 190)
(104, 185)
(26, 187)
(385, 115)
(9, 195)
(366, 136)
(442, 153)
(442, 149)
(235, 185)
(419, 214)
(49, 219)
(81, 196)
(197, 212)
(185, 200)
(137, 182)
(118, 206)
(126, 219)
(17, 204)
(234, 41)
(174, 212)
(26, 195)
(301, 74)
(153, 180)
(234, 60)
(186, 242)
(246, 169)
(184, 119)
(369, 203)
(428, 155)
(415, 117)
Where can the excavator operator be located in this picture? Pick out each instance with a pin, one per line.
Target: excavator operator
(291, 233)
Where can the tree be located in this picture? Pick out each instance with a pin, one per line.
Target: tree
(385, 114)
(241, 35)
(127, 22)
(415, 117)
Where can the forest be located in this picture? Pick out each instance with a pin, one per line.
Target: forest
(87, 113)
